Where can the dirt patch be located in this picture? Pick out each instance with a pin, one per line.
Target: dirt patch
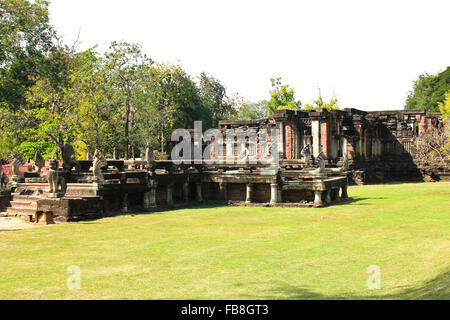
(10, 223)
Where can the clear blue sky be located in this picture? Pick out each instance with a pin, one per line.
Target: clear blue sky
(366, 52)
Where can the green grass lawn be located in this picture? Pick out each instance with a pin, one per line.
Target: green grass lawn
(244, 252)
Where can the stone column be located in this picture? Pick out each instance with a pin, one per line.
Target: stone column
(223, 190)
(318, 198)
(315, 132)
(336, 194)
(199, 191)
(146, 200)
(186, 191)
(124, 203)
(344, 192)
(152, 202)
(170, 194)
(281, 140)
(344, 145)
(248, 198)
(280, 195)
(273, 193)
(328, 196)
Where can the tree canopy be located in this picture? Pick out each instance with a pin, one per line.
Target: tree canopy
(428, 91)
(281, 97)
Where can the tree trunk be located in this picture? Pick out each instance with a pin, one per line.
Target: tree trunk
(127, 121)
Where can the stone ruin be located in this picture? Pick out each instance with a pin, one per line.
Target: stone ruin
(320, 153)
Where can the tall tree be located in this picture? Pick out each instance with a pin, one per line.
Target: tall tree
(319, 103)
(246, 110)
(26, 40)
(214, 94)
(125, 64)
(428, 91)
(172, 101)
(281, 97)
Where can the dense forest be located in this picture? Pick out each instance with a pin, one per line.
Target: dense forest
(52, 93)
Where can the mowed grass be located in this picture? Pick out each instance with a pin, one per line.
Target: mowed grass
(244, 252)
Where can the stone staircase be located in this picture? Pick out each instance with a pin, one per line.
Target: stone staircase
(23, 205)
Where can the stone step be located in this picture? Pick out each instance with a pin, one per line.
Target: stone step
(22, 197)
(20, 211)
(23, 203)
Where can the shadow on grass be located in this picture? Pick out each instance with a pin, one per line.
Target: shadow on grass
(434, 289)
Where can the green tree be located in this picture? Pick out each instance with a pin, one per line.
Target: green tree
(46, 113)
(125, 64)
(444, 107)
(319, 103)
(215, 98)
(246, 110)
(96, 114)
(428, 91)
(281, 97)
(172, 101)
(26, 40)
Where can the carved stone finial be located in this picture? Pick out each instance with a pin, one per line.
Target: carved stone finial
(306, 152)
(18, 161)
(115, 154)
(68, 157)
(345, 164)
(243, 156)
(321, 162)
(149, 153)
(99, 162)
(55, 182)
(3, 178)
(39, 162)
(89, 156)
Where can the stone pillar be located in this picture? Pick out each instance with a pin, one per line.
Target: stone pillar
(315, 132)
(170, 194)
(281, 143)
(280, 195)
(344, 145)
(146, 200)
(273, 193)
(124, 203)
(223, 191)
(336, 194)
(297, 143)
(328, 196)
(152, 200)
(248, 198)
(186, 191)
(344, 192)
(199, 191)
(318, 198)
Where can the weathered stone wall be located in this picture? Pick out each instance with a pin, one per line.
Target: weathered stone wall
(66, 210)
(378, 144)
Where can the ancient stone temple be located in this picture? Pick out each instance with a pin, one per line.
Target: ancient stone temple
(378, 144)
(318, 153)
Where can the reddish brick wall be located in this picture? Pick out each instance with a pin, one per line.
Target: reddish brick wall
(289, 137)
(325, 137)
(350, 149)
